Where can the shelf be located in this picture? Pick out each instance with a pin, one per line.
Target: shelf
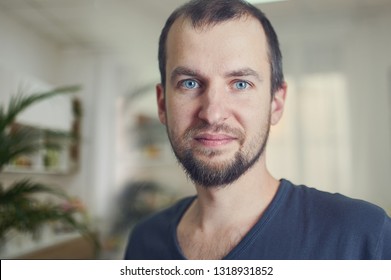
(36, 170)
(22, 245)
(55, 156)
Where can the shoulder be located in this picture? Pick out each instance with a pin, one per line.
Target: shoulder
(164, 217)
(334, 205)
(354, 221)
(155, 233)
(334, 210)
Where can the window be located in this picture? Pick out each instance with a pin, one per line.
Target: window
(311, 144)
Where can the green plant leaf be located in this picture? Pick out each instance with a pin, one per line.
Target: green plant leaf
(20, 208)
(18, 140)
(20, 102)
(22, 190)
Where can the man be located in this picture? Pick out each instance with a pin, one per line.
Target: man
(221, 88)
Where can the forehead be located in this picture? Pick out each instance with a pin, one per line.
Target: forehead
(234, 41)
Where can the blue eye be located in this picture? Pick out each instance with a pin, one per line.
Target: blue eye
(190, 84)
(241, 85)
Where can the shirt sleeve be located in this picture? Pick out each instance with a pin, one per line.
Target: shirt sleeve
(384, 245)
(132, 247)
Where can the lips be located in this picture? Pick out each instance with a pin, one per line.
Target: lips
(209, 139)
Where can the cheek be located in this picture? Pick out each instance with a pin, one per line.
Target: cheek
(179, 115)
(254, 114)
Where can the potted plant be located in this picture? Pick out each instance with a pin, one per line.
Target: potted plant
(21, 209)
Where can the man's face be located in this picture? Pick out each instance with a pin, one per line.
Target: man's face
(217, 105)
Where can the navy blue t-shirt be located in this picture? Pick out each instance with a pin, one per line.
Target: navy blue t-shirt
(300, 223)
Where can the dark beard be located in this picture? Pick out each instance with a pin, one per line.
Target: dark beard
(215, 177)
(219, 176)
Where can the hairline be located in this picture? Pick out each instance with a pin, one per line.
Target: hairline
(205, 24)
(273, 50)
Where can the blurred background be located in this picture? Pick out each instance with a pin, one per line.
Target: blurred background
(335, 134)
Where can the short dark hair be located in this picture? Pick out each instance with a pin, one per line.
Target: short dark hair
(209, 12)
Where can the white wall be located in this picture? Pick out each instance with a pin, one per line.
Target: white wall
(26, 53)
(103, 79)
(369, 68)
(357, 45)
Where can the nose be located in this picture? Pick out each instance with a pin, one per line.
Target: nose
(213, 109)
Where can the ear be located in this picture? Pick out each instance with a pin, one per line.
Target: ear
(161, 103)
(278, 104)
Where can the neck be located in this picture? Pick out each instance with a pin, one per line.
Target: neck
(242, 202)
(220, 217)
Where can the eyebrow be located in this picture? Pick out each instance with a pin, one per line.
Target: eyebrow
(183, 71)
(244, 72)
